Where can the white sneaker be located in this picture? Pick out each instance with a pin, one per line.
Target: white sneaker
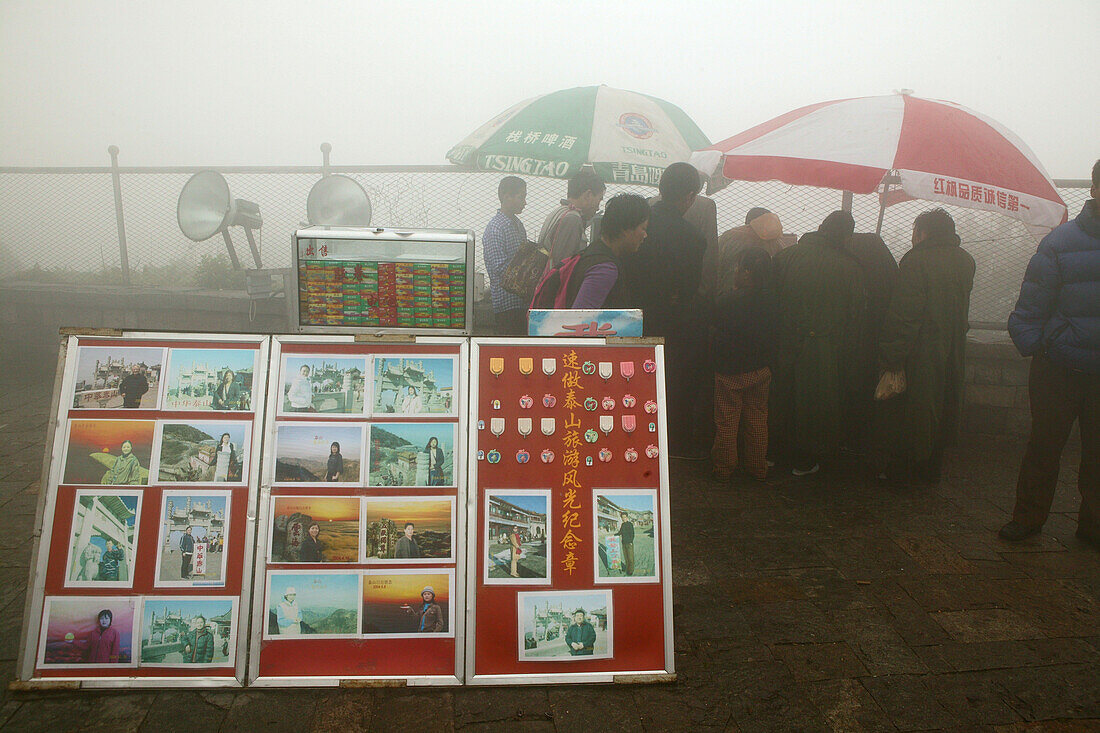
(807, 472)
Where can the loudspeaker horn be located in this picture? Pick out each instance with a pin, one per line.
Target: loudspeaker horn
(338, 201)
(205, 207)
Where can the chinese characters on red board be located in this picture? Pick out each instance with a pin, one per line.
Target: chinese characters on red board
(571, 457)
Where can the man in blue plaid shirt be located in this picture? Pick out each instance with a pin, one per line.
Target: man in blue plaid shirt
(503, 236)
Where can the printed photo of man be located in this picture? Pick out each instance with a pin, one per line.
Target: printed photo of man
(133, 387)
(580, 637)
(187, 551)
(406, 545)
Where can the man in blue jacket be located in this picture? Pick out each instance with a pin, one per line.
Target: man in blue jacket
(1057, 323)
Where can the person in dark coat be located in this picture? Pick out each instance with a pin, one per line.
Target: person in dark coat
(580, 637)
(200, 647)
(924, 336)
(1057, 323)
(626, 540)
(109, 562)
(880, 270)
(821, 303)
(598, 279)
(312, 549)
(227, 395)
(406, 543)
(132, 387)
(335, 467)
(187, 551)
(664, 279)
(435, 462)
(743, 348)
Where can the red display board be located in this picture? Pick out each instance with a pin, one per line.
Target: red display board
(570, 557)
(362, 511)
(142, 570)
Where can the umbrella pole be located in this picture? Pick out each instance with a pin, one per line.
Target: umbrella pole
(882, 207)
(846, 202)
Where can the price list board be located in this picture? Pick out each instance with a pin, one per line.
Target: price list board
(142, 572)
(569, 560)
(352, 279)
(382, 294)
(361, 517)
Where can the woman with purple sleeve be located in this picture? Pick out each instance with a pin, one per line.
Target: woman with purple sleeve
(597, 281)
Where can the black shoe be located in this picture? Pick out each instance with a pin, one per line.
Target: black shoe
(1089, 539)
(1016, 532)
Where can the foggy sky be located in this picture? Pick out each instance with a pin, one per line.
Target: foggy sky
(265, 82)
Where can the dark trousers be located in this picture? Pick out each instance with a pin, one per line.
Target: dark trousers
(1059, 396)
(683, 376)
(511, 322)
(185, 566)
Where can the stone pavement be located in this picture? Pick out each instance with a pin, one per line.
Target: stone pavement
(832, 603)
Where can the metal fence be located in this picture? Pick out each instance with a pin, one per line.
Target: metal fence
(61, 224)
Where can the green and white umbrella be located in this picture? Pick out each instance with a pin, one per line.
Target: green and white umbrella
(625, 136)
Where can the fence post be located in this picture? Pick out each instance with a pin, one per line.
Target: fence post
(325, 150)
(124, 258)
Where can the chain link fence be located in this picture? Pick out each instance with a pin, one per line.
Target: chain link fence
(59, 224)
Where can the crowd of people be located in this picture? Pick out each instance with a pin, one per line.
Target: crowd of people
(788, 353)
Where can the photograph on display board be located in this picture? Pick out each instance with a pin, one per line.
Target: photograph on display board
(109, 452)
(103, 539)
(110, 377)
(203, 452)
(412, 454)
(564, 625)
(517, 537)
(210, 379)
(318, 453)
(409, 528)
(314, 529)
(626, 535)
(88, 631)
(193, 538)
(412, 385)
(403, 605)
(312, 603)
(182, 631)
(323, 384)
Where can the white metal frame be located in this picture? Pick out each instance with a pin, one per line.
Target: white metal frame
(259, 610)
(56, 431)
(472, 577)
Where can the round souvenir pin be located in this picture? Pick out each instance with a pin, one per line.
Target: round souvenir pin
(590, 403)
(522, 456)
(493, 456)
(631, 455)
(481, 455)
(605, 455)
(651, 451)
(608, 403)
(649, 366)
(591, 436)
(549, 400)
(547, 456)
(629, 400)
(588, 367)
(526, 402)
(651, 406)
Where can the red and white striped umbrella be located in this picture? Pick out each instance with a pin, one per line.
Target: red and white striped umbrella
(940, 151)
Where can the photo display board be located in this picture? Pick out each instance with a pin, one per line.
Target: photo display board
(143, 568)
(362, 513)
(354, 279)
(569, 560)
